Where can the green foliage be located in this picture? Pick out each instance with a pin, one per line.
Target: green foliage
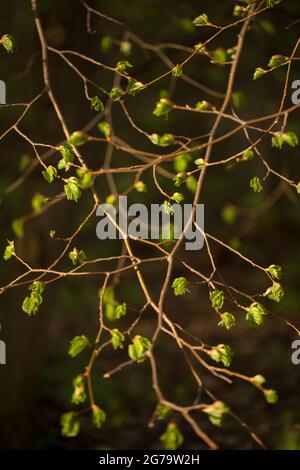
(163, 411)
(117, 339)
(222, 353)
(177, 71)
(228, 320)
(180, 286)
(217, 412)
(69, 424)
(271, 396)
(78, 138)
(255, 315)
(178, 197)
(77, 256)
(50, 174)
(162, 140)
(138, 348)
(104, 128)
(78, 344)
(98, 416)
(258, 380)
(247, 155)
(275, 292)
(204, 106)
(277, 60)
(38, 201)
(217, 299)
(32, 303)
(9, 250)
(72, 189)
(140, 187)
(79, 395)
(163, 107)
(229, 214)
(201, 20)
(172, 438)
(275, 270)
(134, 86)
(96, 104)
(18, 227)
(9, 43)
(280, 138)
(123, 65)
(259, 72)
(255, 184)
(115, 93)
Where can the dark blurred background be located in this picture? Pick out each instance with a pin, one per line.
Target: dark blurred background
(36, 383)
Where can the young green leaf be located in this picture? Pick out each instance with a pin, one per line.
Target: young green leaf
(138, 348)
(172, 438)
(227, 320)
(78, 344)
(9, 250)
(79, 395)
(178, 197)
(77, 256)
(18, 227)
(259, 72)
(180, 286)
(275, 292)
(104, 128)
(69, 424)
(163, 107)
(32, 303)
(115, 93)
(72, 189)
(98, 416)
(123, 65)
(78, 138)
(216, 412)
(177, 71)
(9, 43)
(271, 396)
(117, 339)
(255, 314)
(201, 20)
(255, 184)
(50, 174)
(96, 104)
(275, 270)
(217, 299)
(221, 353)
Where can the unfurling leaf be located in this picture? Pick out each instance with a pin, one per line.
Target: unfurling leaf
(228, 320)
(79, 394)
(255, 314)
(201, 20)
(275, 292)
(216, 412)
(117, 339)
(139, 347)
(221, 353)
(72, 189)
(78, 344)
(98, 417)
(9, 43)
(163, 106)
(9, 250)
(50, 173)
(180, 286)
(97, 104)
(275, 270)
(70, 425)
(256, 185)
(31, 303)
(217, 299)
(78, 138)
(172, 438)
